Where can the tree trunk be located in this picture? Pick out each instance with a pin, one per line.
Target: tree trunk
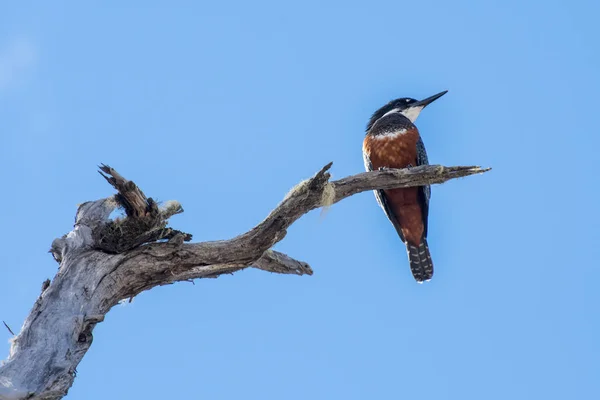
(103, 261)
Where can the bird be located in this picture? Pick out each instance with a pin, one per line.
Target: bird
(393, 141)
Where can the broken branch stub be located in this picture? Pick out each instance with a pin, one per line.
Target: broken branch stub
(145, 222)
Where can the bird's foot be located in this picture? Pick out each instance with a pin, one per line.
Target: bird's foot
(409, 166)
(383, 168)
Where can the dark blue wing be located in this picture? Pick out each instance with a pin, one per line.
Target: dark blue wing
(425, 191)
(382, 200)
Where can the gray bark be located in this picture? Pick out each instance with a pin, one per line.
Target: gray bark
(103, 261)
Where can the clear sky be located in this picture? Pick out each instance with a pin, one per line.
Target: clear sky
(225, 106)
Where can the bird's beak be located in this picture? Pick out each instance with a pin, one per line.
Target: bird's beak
(423, 103)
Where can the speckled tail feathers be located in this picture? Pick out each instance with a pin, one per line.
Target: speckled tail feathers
(419, 258)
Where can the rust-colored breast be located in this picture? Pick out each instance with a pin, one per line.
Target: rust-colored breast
(398, 151)
(392, 151)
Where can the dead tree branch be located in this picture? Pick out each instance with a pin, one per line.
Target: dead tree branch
(104, 260)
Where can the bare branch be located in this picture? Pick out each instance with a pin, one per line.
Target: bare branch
(395, 178)
(103, 261)
(8, 327)
(274, 261)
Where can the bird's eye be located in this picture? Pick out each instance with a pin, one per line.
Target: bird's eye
(407, 100)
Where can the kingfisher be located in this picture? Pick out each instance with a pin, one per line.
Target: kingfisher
(393, 141)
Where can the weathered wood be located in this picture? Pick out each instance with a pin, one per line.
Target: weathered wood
(103, 261)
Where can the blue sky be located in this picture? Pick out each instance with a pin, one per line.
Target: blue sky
(226, 106)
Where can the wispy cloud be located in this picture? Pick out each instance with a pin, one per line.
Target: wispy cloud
(16, 58)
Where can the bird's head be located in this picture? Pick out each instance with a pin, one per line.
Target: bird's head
(406, 106)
